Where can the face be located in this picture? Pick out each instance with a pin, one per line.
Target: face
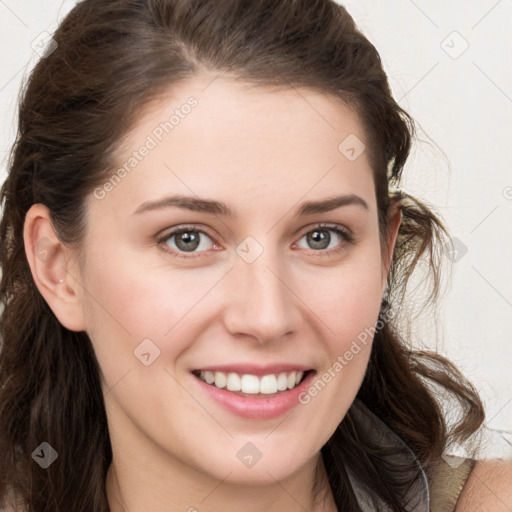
(251, 281)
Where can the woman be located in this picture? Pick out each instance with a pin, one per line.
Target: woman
(261, 367)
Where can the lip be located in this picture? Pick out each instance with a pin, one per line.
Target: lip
(256, 408)
(253, 369)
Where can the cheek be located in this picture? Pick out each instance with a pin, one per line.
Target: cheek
(130, 299)
(350, 310)
(358, 304)
(347, 298)
(351, 314)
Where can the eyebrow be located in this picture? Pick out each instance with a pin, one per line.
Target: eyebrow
(210, 206)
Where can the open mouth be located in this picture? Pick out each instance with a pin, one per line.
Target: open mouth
(253, 386)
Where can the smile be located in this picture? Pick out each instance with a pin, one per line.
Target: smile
(254, 392)
(248, 384)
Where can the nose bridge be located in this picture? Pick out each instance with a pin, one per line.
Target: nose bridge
(262, 305)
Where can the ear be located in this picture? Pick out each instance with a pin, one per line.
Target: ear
(394, 221)
(50, 262)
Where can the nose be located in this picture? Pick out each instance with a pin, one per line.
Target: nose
(260, 300)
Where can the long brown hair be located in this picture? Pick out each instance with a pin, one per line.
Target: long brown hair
(110, 59)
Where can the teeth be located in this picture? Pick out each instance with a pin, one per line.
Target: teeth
(268, 384)
(282, 382)
(251, 384)
(233, 382)
(220, 380)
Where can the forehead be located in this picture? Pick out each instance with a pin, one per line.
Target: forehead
(218, 137)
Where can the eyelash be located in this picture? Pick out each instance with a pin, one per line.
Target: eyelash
(346, 235)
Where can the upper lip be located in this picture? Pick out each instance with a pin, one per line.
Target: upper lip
(252, 369)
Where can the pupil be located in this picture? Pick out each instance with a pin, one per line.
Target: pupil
(319, 238)
(186, 238)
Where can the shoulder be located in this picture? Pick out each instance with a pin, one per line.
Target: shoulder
(488, 487)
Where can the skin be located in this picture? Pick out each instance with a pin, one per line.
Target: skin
(263, 152)
(489, 487)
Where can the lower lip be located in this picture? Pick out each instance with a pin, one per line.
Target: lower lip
(257, 408)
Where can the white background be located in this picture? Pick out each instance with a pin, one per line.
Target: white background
(462, 102)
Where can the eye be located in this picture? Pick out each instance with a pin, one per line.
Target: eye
(192, 240)
(320, 238)
(186, 239)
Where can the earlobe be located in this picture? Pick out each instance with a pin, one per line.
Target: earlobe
(49, 261)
